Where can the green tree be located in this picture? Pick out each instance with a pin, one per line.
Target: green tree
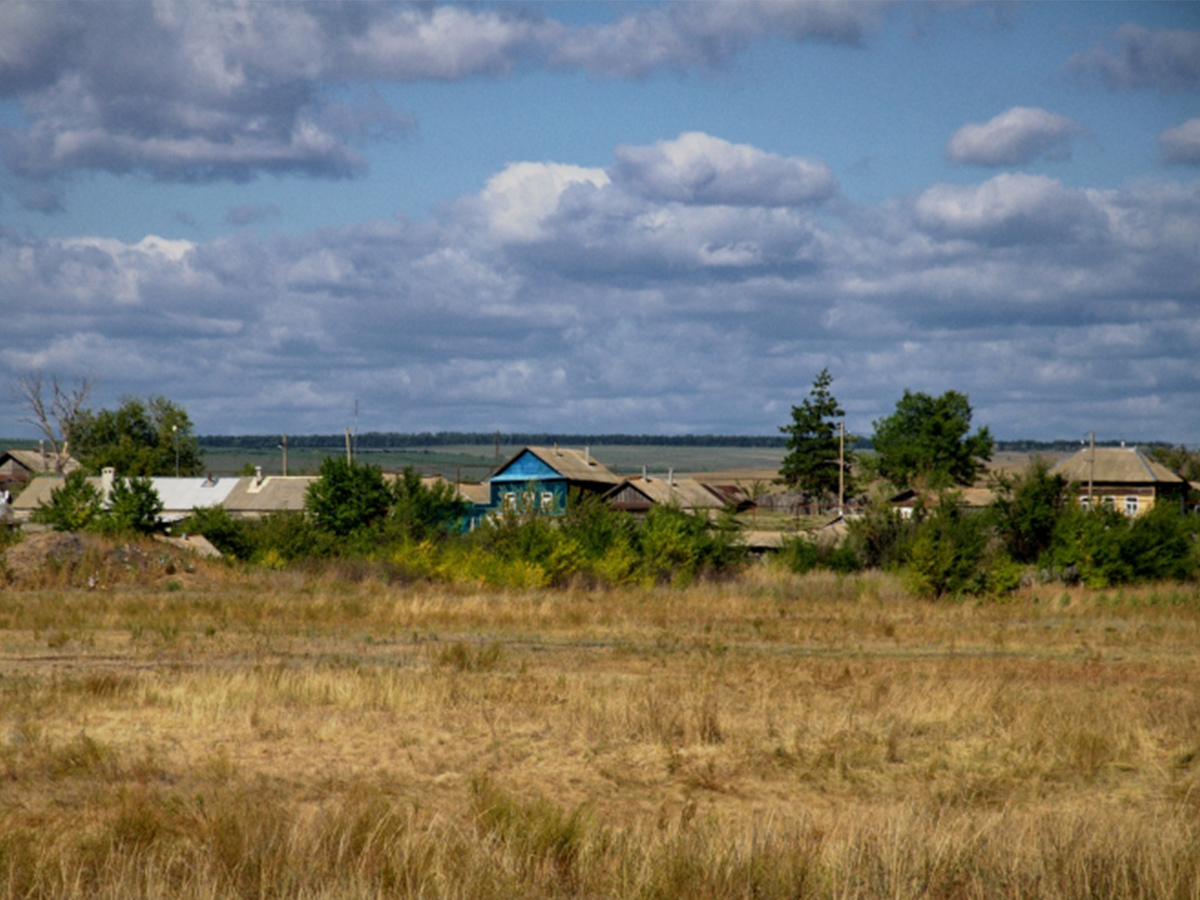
(926, 440)
(133, 506)
(419, 511)
(811, 464)
(141, 437)
(1027, 509)
(74, 506)
(348, 496)
(948, 553)
(229, 535)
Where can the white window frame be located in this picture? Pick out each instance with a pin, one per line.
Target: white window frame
(1131, 505)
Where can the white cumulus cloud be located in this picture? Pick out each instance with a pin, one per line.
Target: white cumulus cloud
(701, 169)
(1015, 137)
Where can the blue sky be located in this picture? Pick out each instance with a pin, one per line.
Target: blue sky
(661, 218)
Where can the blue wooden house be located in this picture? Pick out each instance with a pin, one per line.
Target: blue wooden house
(542, 478)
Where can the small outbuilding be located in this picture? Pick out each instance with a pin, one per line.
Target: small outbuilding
(19, 467)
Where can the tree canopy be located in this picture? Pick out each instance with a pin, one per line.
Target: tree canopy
(811, 464)
(926, 440)
(348, 496)
(141, 437)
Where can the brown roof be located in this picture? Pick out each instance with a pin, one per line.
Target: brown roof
(38, 492)
(686, 493)
(479, 494)
(574, 465)
(1114, 465)
(34, 461)
(974, 497)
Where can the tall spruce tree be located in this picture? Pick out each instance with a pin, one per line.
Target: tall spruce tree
(811, 464)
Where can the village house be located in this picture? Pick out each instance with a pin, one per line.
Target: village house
(637, 495)
(19, 467)
(1121, 478)
(542, 478)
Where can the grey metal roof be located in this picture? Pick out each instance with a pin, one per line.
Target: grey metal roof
(185, 494)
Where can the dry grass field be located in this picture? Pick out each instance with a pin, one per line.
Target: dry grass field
(324, 734)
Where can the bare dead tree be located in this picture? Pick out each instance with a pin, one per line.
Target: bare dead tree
(54, 415)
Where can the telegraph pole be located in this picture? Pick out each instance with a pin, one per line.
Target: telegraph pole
(1092, 471)
(841, 467)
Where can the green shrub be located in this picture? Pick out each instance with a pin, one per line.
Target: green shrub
(678, 546)
(948, 553)
(229, 535)
(1091, 541)
(347, 497)
(797, 554)
(419, 512)
(881, 538)
(73, 507)
(1161, 544)
(1027, 510)
(287, 537)
(133, 506)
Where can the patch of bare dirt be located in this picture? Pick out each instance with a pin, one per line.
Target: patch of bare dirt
(29, 559)
(67, 559)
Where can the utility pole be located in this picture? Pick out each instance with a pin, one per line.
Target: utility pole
(841, 467)
(1092, 472)
(284, 446)
(175, 434)
(348, 459)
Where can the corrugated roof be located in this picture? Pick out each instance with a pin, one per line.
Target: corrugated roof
(192, 493)
(574, 465)
(176, 494)
(1114, 465)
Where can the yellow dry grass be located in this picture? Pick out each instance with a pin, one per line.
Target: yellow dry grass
(288, 734)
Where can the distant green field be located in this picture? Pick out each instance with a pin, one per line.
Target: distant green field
(474, 462)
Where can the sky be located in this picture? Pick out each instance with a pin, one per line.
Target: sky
(648, 218)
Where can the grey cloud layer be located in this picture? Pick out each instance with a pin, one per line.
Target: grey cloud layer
(1165, 60)
(1057, 309)
(1181, 145)
(199, 92)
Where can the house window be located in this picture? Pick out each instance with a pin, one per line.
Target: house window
(548, 504)
(1131, 506)
(1109, 503)
(510, 502)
